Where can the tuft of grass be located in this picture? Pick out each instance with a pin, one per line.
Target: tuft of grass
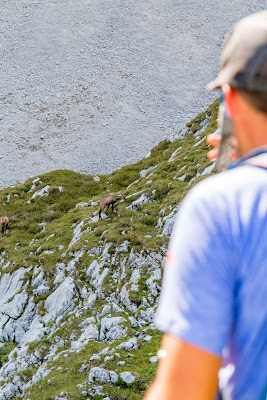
(5, 351)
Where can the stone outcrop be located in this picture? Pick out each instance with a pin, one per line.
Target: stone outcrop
(21, 321)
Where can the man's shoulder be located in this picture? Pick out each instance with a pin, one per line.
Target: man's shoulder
(231, 182)
(226, 190)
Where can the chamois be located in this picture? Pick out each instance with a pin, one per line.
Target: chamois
(4, 221)
(111, 199)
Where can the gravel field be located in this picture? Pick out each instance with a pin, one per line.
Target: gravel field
(91, 85)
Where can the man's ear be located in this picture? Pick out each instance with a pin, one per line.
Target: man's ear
(231, 100)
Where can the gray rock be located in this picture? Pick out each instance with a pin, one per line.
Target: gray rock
(174, 154)
(17, 318)
(77, 232)
(105, 253)
(144, 172)
(135, 276)
(48, 251)
(121, 363)
(113, 377)
(83, 292)
(36, 180)
(35, 331)
(98, 374)
(86, 322)
(90, 333)
(108, 358)
(60, 275)
(91, 301)
(41, 192)
(124, 296)
(38, 280)
(134, 288)
(154, 359)
(94, 203)
(110, 328)
(40, 374)
(106, 309)
(208, 170)
(97, 274)
(144, 303)
(40, 290)
(10, 390)
(147, 315)
(95, 390)
(105, 351)
(129, 345)
(137, 203)
(60, 301)
(168, 222)
(95, 357)
(124, 246)
(134, 322)
(80, 386)
(14, 307)
(147, 338)
(182, 178)
(127, 377)
(82, 204)
(151, 282)
(82, 368)
(77, 255)
(116, 308)
(10, 284)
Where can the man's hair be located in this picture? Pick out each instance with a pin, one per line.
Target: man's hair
(256, 99)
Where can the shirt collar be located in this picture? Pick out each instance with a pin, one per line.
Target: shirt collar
(253, 153)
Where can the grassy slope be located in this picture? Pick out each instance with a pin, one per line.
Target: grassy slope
(26, 243)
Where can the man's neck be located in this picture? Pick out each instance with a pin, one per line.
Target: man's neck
(251, 130)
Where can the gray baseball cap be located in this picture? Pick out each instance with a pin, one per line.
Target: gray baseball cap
(244, 56)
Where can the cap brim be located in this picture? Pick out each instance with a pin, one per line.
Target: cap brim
(224, 76)
(213, 85)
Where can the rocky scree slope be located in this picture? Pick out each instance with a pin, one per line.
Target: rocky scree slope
(78, 295)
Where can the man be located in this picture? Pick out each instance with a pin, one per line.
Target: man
(213, 303)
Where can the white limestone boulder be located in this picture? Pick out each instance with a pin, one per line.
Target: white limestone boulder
(111, 328)
(129, 345)
(127, 377)
(10, 284)
(60, 301)
(98, 374)
(137, 203)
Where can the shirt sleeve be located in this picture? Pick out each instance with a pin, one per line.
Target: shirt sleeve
(196, 303)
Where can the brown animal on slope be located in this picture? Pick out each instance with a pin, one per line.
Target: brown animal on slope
(4, 221)
(108, 201)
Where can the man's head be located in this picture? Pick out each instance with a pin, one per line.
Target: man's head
(244, 57)
(243, 80)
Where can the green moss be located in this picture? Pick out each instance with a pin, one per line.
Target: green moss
(5, 351)
(65, 375)
(27, 374)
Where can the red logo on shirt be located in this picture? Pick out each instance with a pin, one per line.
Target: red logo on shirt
(169, 258)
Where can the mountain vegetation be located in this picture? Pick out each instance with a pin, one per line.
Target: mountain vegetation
(78, 294)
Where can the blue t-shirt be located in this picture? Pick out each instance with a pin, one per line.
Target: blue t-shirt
(214, 291)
